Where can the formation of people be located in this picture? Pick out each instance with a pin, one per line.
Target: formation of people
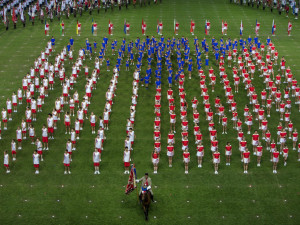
(248, 58)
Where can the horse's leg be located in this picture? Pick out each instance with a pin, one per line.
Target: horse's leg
(145, 212)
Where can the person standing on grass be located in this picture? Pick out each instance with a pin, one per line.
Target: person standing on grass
(285, 155)
(172, 120)
(295, 138)
(275, 160)
(249, 122)
(19, 137)
(93, 121)
(246, 160)
(126, 160)
(36, 161)
(224, 124)
(39, 148)
(255, 140)
(200, 153)
(66, 162)
(105, 119)
(9, 108)
(228, 152)
(6, 162)
(186, 160)
(155, 160)
(67, 123)
(4, 118)
(13, 149)
(259, 151)
(170, 153)
(216, 160)
(45, 137)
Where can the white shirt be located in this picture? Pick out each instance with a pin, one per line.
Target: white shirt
(77, 124)
(93, 119)
(126, 157)
(13, 146)
(44, 132)
(80, 114)
(73, 135)
(66, 158)
(98, 143)
(96, 157)
(69, 146)
(19, 134)
(36, 159)
(8, 104)
(105, 115)
(6, 159)
(31, 132)
(50, 121)
(39, 146)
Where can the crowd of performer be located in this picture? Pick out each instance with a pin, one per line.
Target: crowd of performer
(246, 60)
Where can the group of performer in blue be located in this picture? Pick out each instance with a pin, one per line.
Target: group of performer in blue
(157, 49)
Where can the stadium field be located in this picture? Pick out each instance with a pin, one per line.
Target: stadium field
(200, 197)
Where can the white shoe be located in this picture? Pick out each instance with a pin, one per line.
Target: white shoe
(77, 138)
(47, 149)
(170, 165)
(275, 171)
(284, 163)
(125, 172)
(216, 172)
(186, 172)
(98, 172)
(42, 159)
(65, 172)
(254, 153)
(258, 164)
(66, 132)
(14, 159)
(69, 172)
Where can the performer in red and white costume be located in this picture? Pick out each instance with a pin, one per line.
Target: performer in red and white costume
(192, 29)
(176, 28)
(289, 30)
(95, 25)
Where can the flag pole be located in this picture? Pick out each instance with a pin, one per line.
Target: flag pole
(134, 182)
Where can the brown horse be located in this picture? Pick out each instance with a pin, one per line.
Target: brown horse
(146, 200)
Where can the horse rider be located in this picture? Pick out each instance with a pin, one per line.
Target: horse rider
(146, 185)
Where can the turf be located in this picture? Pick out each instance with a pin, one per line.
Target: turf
(199, 197)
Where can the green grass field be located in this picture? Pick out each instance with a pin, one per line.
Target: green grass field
(201, 197)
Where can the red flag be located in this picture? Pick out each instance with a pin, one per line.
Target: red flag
(192, 27)
(37, 6)
(14, 18)
(131, 180)
(110, 27)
